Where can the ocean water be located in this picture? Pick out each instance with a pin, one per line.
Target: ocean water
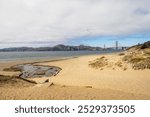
(10, 56)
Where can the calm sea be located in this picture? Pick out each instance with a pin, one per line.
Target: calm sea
(10, 56)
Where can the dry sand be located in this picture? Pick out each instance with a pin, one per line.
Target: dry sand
(78, 80)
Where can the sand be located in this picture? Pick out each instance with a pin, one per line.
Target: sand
(77, 80)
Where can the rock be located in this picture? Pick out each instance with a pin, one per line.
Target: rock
(33, 71)
(88, 86)
(51, 84)
(121, 54)
(47, 80)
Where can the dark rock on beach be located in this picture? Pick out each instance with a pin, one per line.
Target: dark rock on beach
(34, 71)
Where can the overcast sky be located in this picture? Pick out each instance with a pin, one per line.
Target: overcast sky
(92, 22)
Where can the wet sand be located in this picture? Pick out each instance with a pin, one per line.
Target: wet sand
(77, 80)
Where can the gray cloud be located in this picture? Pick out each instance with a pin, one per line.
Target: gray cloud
(62, 20)
(141, 11)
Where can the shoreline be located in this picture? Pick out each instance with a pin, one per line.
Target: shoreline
(32, 59)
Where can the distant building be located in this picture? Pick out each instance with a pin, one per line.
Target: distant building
(104, 46)
(116, 45)
(124, 48)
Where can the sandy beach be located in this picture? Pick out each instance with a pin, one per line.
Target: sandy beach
(78, 80)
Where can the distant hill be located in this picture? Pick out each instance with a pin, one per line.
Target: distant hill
(145, 45)
(59, 47)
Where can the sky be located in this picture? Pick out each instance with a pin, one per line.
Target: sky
(39, 23)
